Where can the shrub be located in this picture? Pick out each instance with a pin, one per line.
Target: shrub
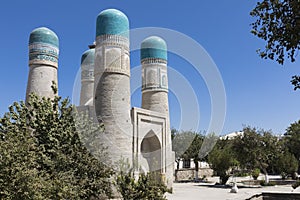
(42, 155)
(287, 164)
(296, 184)
(242, 174)
(221, 159)
(255, 173)
(148, 186)
(263, 183)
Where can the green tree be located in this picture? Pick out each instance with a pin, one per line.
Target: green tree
(19, 178)
(179, 144)
(181, 141)
(193, 152)
(221, 159)
(42, 155)
(147, 186)
(292, 138)
(286, 164)
(257, 149)
(255, 173)
(278, 23)
(187, 145)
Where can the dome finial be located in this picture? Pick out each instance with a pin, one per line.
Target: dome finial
(154, 47)
(43, 35)
(112, 22)
(88, 57)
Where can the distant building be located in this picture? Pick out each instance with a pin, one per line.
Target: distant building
(232, 135)
(185, 170)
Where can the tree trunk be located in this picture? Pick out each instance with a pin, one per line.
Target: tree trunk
(177, 168)
(196, 170)
(266, 176)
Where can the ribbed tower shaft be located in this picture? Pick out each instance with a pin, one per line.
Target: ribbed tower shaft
(43, 63)
(155, 85)
(87, 78)
(112, 83)
(155, 95)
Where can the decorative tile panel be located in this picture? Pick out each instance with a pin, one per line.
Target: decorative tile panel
(154, 76)
(112, 54)
(42, 53)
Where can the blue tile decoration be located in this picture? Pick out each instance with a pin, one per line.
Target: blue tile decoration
(43, 57)
(43, 46)
(43, 35)
(154, 47)
(112, 22)
(88, 57)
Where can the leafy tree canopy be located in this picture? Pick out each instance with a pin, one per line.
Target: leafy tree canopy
(42, 155)
(256, 149)
(293, 139)
(221, 159)
(278, 23)
(186, 144)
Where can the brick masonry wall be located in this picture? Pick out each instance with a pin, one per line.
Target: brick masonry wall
(189, 174)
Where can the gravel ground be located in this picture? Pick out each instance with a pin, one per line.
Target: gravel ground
(208, 191)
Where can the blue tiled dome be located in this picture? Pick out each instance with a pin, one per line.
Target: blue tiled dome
(88, 57)
(43, 35)
(154, 47)
(113, 22)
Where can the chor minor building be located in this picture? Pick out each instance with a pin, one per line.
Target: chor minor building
(142, 136)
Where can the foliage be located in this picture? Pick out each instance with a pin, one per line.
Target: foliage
(208, 144)
(145, 186)
(296, 184)
(296, 82)
(278, 23)
(186, 144)
(194, 149)
(148, 186)
(42, 156)
(173, 133)
(264, 183)
(287, 164)
(242, 173)
(293, 139)
(257, 149)
(221, 159)
(255, 173)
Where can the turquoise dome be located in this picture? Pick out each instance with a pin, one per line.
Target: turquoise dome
(43, 35)
(88, 57)
(112, 22)
(154, 47)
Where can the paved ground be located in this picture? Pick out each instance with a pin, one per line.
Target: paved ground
(199, 191)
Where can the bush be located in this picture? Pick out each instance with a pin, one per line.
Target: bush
(296, 184)
(221, 159)
(255, 173)
(286, 164)
(148, 186)
(263, 183)
(43, 155)
(242, 174)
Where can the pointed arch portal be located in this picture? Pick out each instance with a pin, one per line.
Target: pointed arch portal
(151, 151)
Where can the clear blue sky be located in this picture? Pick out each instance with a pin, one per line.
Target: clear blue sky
(258, 91)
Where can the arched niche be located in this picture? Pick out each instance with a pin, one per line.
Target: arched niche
(151, 151)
